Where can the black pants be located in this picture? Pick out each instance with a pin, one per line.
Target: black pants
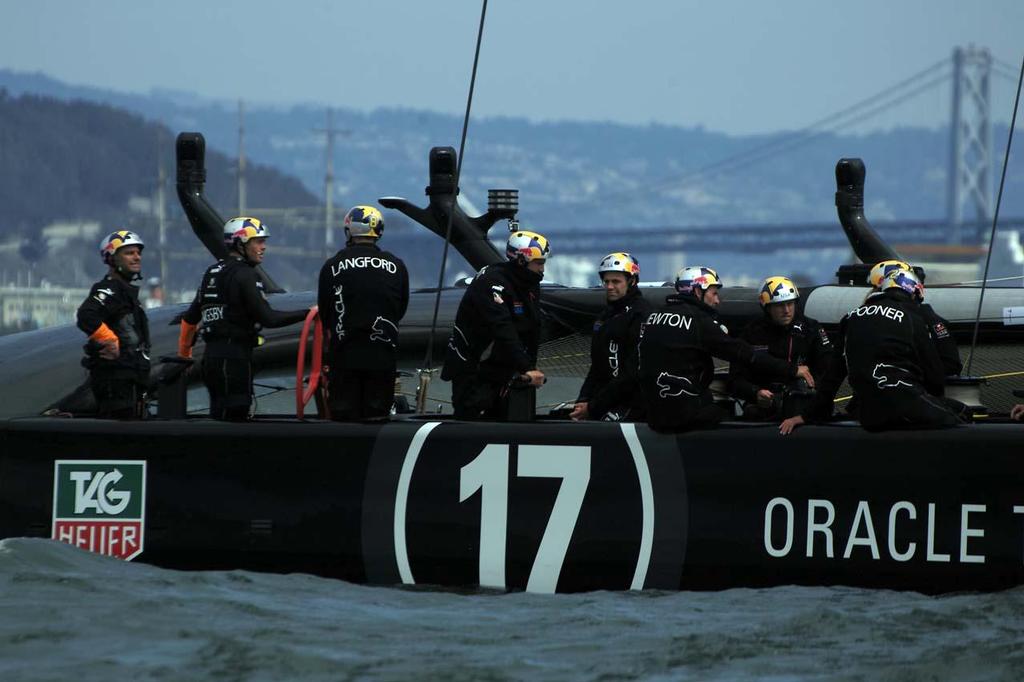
(118, 394)
(910, 410)
(355, 395)
(229, 382)
(475, 398)
(684, 413)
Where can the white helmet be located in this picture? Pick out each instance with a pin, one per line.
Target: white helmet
(243, 228)
(524, 246)
(620, 261)
(115, 240)
(696, 277)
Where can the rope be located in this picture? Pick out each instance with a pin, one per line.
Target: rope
(995, 218)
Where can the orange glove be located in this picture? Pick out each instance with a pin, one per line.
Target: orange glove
(186, 336)
(106, 337)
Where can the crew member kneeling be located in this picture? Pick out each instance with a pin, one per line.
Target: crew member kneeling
(230, 308)
(117, 354)
(497, 331)
(610, 391)
(363, 293)
(786, 334)
(676, 345)
(894, 368)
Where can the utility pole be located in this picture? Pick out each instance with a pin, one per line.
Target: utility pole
(241, 158)
(330, 131)
(161, 213)
(970, 163)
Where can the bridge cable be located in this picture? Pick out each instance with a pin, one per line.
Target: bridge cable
(837, 115)
(806, 134)
(428, 359)
(995, 219)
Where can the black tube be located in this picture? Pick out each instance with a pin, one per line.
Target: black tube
(868, 246)
(469, 235)
(204, 219)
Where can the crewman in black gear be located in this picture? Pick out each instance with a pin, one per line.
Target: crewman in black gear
(610, 391)
(938, 328)
(893, 365)
(676, 345)
(785, 333)
(229, 309)
(117, 354)
(497, 329)
(363, 294)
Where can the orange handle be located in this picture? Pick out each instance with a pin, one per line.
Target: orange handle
(302, 395)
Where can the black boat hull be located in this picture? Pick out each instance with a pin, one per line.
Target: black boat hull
(543, 506)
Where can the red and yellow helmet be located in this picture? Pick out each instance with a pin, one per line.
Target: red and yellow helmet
(524, 246)
(243, 228)
(620, 261)
(116, 240)
(778, 289)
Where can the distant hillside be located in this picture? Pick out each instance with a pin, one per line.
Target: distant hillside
(80, 160)
(570, 174)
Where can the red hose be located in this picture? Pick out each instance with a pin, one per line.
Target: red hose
(302, 395)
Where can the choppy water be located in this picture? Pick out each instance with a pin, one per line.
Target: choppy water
(69, 615)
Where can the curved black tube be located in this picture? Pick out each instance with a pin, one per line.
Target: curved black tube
(205, 221)
(469, 235)
(868, 246)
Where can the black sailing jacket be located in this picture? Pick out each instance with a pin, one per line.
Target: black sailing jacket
(114, 302)
(611, 385)
(802, 342)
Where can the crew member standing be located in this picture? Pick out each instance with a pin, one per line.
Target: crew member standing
(363, 293)
(894, 368)
(230, 308)
(676, 346)
(610, 391)
(938, 328)
(785, 333)
(117, 354)
(497, 331)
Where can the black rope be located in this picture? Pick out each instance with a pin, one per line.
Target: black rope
(428, 361)
(995, 219)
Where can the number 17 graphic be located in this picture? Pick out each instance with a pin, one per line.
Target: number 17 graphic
(489, 472)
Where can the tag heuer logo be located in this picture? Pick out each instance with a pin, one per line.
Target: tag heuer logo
(99, 505)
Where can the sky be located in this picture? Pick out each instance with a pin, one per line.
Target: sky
(730, 66)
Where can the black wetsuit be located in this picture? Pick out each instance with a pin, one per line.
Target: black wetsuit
(494, 340)
(677, 343)
(610, 389)
(944, 342)
(230, 308)
(802, 342)
(118, 385)
(894, 368)
(363, 293)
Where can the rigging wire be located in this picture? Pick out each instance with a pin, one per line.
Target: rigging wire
(995, 218)
(428, 359)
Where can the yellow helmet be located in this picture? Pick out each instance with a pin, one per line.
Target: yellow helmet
(882, 269)
(364, 221)
(905, 280)
(524, 246)
(115, 240)
(778, 289)
(620, 262)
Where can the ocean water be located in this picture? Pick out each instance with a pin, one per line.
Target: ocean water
(69, 615)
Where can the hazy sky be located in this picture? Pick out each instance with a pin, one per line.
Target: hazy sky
(738, 67)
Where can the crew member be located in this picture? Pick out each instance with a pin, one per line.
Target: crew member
(494, 342)
(610, 390)
(894, 367)
(785, 333)
(938, 328)
(117, 354)
(676, 345)
(363, 294)
(230, 308)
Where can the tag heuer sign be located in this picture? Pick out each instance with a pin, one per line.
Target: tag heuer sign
(99, 505)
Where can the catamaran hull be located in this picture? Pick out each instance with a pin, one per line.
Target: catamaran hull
(543, 506)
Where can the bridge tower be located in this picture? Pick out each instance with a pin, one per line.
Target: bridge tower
(970, 167)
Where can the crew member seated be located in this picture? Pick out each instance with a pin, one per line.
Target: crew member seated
(938, 328)
(610, 391)
(676, 345)
(493, 345)
(894, 368)
(784, 333)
